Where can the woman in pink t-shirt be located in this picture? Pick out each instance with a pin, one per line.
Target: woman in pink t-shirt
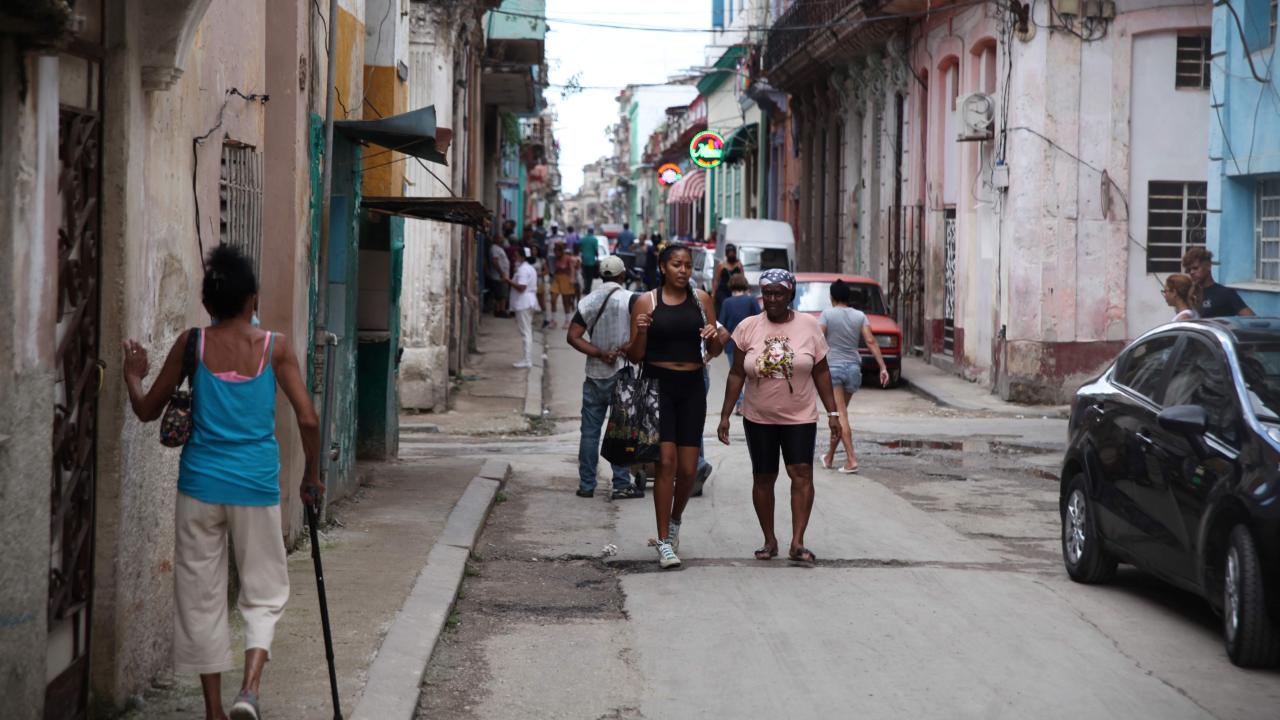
(781, 358)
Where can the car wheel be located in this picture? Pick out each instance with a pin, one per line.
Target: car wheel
(1247, 628)
(1086, 559)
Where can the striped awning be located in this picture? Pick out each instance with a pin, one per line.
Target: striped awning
(689, 189)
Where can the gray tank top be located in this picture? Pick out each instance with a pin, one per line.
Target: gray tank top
(844, 334)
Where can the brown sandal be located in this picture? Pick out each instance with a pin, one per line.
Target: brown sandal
(767, 553)
(803, 556)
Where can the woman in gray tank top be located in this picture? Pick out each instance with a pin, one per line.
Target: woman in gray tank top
(846, 327)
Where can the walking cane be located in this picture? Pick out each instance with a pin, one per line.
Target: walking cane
(312, 521)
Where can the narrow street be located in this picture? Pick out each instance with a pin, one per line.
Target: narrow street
(939, 592)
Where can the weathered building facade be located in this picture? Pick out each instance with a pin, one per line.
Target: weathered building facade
(141, 134)
(989, 165)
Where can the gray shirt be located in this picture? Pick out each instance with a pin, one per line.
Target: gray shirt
(844, 334)
(612, 330)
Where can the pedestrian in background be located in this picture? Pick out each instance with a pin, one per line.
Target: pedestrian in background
(626, 239)
(540, 238)
(229, 478)
(601, 330)
(651, 262)
(570, 240)
(739, 306)
(846, 328)
(539, 264)
(524, 283)
(1215, 300)
(781, 358)
(561, 283)
(498, 272)
(1181, 294)
(669, 328)
(728, 268)
(590, 254)
(576, 256)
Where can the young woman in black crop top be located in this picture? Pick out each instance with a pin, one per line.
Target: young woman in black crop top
(669, 329)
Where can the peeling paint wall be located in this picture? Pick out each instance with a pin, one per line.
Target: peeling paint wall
(27, 369)
(1044, 271)
(426, 305)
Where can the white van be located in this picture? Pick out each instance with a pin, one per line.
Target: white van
(762, 245)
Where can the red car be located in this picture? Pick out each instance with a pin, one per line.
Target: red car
(813, 295)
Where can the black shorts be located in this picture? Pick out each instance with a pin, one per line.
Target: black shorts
(682, 405)
(764, 441)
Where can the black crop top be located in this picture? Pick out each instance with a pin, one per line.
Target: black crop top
(674, 331)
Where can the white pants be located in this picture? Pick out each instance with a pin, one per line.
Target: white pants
(524, 323)
(202, 636)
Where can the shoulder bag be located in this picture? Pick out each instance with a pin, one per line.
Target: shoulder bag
(177, 423)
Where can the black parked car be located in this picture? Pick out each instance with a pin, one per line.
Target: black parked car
(1173, 465)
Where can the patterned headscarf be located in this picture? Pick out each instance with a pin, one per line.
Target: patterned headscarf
(778, 276)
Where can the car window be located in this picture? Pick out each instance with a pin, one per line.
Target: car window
(815, 296)
(1260, 367)
(1142, 368)
(758, 259)
(1201, 378)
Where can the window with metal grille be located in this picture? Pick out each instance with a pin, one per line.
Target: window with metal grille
(240, 201)
(1192, 69)
(1175, 223)
(1267, 230)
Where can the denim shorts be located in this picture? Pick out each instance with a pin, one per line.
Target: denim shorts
(848, 377)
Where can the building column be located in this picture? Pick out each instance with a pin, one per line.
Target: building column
(833, 186)
(804, 116)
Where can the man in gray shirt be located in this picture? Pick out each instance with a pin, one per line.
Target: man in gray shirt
(605, 316)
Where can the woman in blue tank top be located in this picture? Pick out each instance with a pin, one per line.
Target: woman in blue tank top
(229, 478)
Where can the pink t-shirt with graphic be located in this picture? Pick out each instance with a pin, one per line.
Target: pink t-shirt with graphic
(779, 359)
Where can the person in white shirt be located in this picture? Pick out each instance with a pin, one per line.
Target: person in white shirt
(524, 283)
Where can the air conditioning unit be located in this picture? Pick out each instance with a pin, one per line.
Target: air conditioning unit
(976, 117)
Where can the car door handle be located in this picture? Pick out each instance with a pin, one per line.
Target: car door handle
(1144, 439)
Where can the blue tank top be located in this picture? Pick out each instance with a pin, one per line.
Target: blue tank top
(232, 457)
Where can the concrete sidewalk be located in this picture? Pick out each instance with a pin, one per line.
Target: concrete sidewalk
(952, 391)
(394, 556)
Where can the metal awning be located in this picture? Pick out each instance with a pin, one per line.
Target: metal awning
(412, 133)
(738, 143)
(460, 211)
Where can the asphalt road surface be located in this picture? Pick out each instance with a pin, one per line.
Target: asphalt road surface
(939, 593)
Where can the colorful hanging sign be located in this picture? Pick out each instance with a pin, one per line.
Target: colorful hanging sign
(669, 174)
(707, 149)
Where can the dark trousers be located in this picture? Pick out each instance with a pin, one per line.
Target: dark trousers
(589, 274)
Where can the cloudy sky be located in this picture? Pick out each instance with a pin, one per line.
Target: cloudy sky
(606, 59)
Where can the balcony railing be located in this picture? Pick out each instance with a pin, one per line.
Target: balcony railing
(799, 24)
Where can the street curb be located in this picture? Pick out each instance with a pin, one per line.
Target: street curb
(1030, 411)
(395, 675)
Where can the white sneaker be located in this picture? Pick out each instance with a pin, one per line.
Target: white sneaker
(673, 534)
(667, 556)
(522, 364)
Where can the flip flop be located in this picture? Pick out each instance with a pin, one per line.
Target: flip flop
(824, 462)
(766, 553)
(803, 556)
(848, 471)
